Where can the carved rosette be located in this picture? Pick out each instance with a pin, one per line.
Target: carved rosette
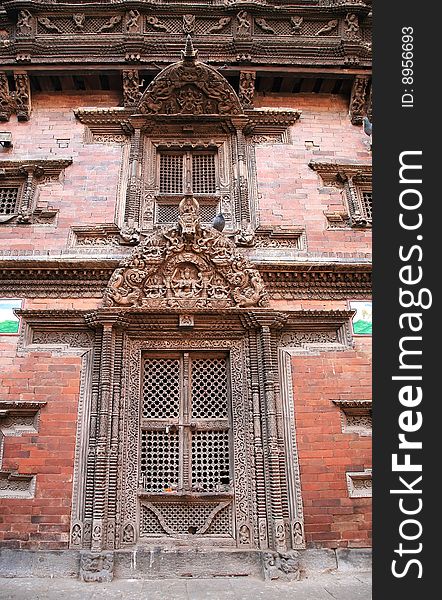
(186, 266)
(190, 87)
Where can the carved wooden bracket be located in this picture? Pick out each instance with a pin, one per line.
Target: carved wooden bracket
(360, 100)
(18, 101)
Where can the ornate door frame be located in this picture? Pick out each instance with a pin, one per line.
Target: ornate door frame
(244, 470)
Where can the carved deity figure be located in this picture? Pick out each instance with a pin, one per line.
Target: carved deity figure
(113, 21)
(328, 27)
(187, 282)
(96, 566)
(243, 21)
(79, 20)
(155, 23)
(247, 88)
(133, 20)
(352, 24)
(188, 24)
(296, 23)
(131, 87)
(223, 22)
(189, 218)
(265, 26)
(191, 101)
(24, 22)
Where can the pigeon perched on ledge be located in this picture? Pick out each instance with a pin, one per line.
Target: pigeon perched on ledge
(219, 222)
(368, 126)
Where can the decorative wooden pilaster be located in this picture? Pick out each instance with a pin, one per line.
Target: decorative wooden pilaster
(241, 176)
(5, 98)
(101, 509)
(276, 525)
(260, 481)
(133, 194)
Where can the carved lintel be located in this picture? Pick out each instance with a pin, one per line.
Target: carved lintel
(359, 99)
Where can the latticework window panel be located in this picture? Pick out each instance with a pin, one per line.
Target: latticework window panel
(190, 171)
(8, 200)
(160, 454)
(167, 213)
(367, 203)
(161, 388)
(185, 441)
(209, 374)
(171, 173)
(203, 174)
(210, 460)
(181, 518)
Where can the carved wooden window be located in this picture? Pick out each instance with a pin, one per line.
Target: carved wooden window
(9, 199)
(185, 462)
(187, 171)
(366, 201)
(360, 203)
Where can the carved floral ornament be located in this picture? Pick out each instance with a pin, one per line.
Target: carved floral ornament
(189, 87)
(186, 266)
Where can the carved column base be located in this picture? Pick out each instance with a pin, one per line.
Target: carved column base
(282, 565)
(96, 566)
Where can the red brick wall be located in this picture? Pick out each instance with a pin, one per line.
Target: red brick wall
(332, 518)
(87, 190)
(291, 192)
(42, 522)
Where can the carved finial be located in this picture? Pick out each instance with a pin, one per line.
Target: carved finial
(189, 53)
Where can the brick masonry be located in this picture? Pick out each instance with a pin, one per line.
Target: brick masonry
(290, 194)
(332, 518)
(43, 521)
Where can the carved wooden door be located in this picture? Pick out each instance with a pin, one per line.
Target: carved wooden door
(186, 479)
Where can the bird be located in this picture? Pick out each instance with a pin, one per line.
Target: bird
(368, 126)
(219, 222)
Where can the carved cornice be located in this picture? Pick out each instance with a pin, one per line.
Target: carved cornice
(50, 168)
(150, 32)
(354, 406)
(337, 172)
(81, 277)
(111, 122)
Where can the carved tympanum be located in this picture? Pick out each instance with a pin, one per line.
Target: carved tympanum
(189, 87)
(186, 266)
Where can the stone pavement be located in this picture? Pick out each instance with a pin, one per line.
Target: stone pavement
(355, 586)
